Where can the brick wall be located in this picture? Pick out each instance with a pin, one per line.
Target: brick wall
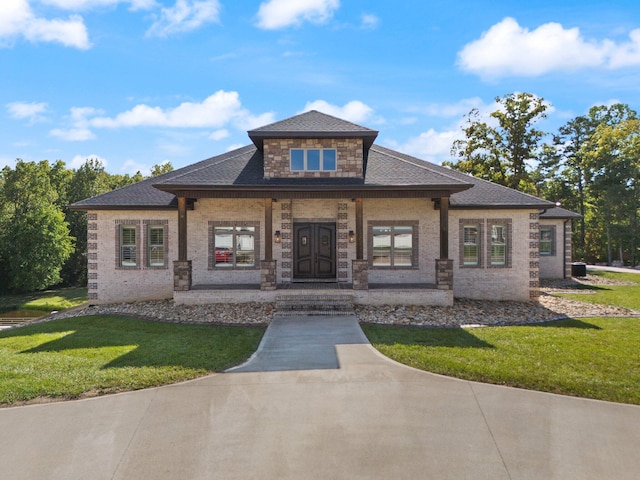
(349, 157)
(552, 266)
(109, 284)
(223, 210)
(516, 282)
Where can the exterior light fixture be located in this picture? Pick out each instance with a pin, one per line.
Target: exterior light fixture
(352, 236)
(278, 238)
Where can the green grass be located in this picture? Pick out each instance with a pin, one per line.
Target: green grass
(595, 358)
(45, 301)
(627, 296)
(93, 355)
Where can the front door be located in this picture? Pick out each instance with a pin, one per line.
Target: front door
(314, 251)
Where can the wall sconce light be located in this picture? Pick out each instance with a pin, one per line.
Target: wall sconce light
(278, 238)
(352, 236)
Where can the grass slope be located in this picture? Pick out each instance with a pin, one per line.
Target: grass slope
(80, 356)
(595, 358)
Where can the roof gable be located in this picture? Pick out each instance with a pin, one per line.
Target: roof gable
(312, 124)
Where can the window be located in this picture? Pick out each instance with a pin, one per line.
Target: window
(499, 243)
(393, 246)
(128, 251)
(471, 248)
(313, 159)
(233, 246)
(156, 246)
(547, 240)
(471, 241)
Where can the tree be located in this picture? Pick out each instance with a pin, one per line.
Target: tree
(89, 180)
(502, 153)
(34, 236)
(161, 169)
(613, 159)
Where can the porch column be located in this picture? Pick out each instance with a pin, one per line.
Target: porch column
(268, 229)
(359, 266)
(444, 266)
(182, 267)
(268, 278)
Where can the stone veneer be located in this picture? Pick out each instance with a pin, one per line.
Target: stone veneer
(349, 157)
(444, 274)
(360, 274)
(268, 275)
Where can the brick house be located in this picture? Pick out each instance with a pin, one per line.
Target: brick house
(314, 201)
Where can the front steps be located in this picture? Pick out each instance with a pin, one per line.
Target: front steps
(294, 305)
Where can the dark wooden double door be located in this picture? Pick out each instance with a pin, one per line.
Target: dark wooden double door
(314, 251)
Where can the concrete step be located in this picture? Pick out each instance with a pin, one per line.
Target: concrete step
(307, 304)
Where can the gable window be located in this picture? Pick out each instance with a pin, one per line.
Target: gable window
(156, 246)
(547, 240)
(233, 246)
(471, 242)
(393, 245)
(127, 244)
(499, 243)
(313, 159)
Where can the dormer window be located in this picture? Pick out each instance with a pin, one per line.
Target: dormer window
(313, 159)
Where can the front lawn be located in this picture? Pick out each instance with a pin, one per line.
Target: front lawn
(627, 296)
(45, 301)
(93, 355)
(593, 358)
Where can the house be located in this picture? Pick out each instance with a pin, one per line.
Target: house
(314, 202)
(555, 242)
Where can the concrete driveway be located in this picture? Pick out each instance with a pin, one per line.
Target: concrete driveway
(322, 406)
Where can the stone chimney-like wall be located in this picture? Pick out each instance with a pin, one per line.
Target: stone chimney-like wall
(349, 157)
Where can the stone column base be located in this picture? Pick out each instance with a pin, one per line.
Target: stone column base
(444, 274)
(360, 274)
(182, 276)
(268, 275)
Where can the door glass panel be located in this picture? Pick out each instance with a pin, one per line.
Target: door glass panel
(382, 246)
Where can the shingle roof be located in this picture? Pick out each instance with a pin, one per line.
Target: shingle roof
(482, 194)
(559, 212)
(313, 124)
(243, 169)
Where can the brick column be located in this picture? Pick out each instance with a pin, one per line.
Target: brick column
(444, 274)
(360, 274)
(182, 275)
(268, 275)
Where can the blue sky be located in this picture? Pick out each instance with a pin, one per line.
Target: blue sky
(140, 82)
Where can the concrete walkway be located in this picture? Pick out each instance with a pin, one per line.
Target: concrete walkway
(339, 410)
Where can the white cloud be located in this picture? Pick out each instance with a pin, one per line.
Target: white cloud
(73, 134)
(508, 49)
(275, 14)
(184, 16)
(369, 21)
(434, 145)
(462, 107)
(354, 111)
(32, 111)
(219, 134)
(18, 20)
(89, 4)
(215, 111)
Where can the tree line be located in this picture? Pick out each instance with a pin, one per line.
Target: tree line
(42, 242)
(591, 166)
